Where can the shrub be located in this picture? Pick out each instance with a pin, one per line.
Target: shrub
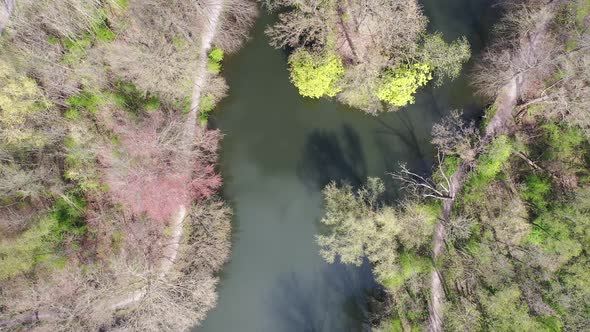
(316, 74)
(23, 254)
(215, 58)
(398, 86)
(536, 191)
(104, 33)
(206, 105)
(133, 100)
(491, 162)
(487, 168)
(85, 101)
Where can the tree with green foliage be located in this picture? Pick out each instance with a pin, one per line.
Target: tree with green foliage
(360, 226)
(384, 47)
(446, 60)
(398, 86)
(316, 74)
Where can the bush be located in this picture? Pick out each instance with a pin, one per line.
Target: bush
(536, 191)
(85, 101)
(316, 75)
(206, 105)
(491, 162)
(134, 101)
(398, 86)
(215, 58)
(487, 168)
(28, 250)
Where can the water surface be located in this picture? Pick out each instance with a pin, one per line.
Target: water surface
(279, 151)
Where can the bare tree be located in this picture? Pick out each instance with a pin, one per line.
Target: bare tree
(237, 19)
(422, 187)
(454, 136)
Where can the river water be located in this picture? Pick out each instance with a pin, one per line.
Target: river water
(281, 149)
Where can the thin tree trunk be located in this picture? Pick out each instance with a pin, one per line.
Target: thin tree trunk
(346, 31)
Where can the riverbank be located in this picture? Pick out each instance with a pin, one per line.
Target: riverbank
(278, 153)
(497, 236)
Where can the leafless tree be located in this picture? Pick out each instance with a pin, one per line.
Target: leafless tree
(237, 19)
(423, 187)
(455, 136)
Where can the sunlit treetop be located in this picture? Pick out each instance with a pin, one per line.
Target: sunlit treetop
(316, 74)
(398, 86)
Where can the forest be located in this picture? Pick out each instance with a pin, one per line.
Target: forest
(114, 214)
(497, 238)
(110, 217)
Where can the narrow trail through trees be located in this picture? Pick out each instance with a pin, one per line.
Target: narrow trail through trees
(505, 103)
(212, 13)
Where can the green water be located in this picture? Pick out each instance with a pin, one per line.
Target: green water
(280, 150)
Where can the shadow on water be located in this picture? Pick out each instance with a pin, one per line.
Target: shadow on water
(332, 156)
(301, 306)
(280, 150)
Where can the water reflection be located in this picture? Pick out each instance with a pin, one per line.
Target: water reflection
(335, 155)
(303, 306)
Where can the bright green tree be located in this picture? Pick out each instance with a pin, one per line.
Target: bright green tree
(316, 74)
(20, 101)
(399, 86)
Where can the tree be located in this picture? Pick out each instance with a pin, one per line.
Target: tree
(359, 226)
(316, 74)
(455, 136)
(150, 174)
(383, 45)
(398, 86)
(506, 312)
(446, 60)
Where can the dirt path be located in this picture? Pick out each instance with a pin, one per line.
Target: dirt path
(213, 11)
(505, 103)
